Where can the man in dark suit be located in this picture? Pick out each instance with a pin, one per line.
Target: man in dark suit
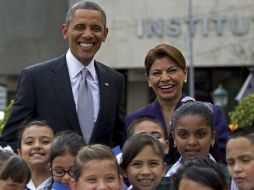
(49, 90)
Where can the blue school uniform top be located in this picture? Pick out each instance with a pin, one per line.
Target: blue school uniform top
(60, 186)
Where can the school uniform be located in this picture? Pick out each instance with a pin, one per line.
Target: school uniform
(43, 186)
(60, 186)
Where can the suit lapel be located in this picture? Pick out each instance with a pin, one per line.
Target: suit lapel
(62, 87)
(104, 98)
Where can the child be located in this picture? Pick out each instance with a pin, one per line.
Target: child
(193, 132)
(14, 172)
(240, 158)
(200, 173)
(143, 162)
(96, 167)
(63, 151)
(34, 142)
(149, 125)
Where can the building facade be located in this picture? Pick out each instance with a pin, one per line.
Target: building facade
(221, 32)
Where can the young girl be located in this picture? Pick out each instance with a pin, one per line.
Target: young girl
(193, 132)
(143, 162)
(14, 172)
(63, 151)
(240, 158)
(200, 173)
(96, 167)
(149, 125)
(34, 143)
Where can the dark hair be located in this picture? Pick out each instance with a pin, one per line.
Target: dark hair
(161, 51)
(66, 142)
(13, 167)
(92, 152)
(5, 155)
(201, 170)
(135, 144)
(205, 110)
(30, 123)
(84, 5)
(246, 132)
(135, 122)
(194, 108)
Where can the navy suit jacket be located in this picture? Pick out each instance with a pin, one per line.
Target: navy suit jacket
(44, 91)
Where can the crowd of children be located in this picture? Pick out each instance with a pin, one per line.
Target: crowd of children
(45, 161)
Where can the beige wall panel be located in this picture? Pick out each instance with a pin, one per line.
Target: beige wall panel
(125, 49)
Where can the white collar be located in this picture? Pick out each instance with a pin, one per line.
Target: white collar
(75, 66)
(43, 186)
(209, 155)
(179, 164)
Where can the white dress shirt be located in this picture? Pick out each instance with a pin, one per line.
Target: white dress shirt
(75, 68)
(233, 185)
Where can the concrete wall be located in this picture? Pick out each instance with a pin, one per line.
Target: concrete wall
(30, 32)
(223, 31)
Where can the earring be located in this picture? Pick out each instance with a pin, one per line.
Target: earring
(212, 144)
(185, 81)
(174, 145)
(150, 85)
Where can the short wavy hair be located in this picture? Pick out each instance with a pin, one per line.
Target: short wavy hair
(85, 5)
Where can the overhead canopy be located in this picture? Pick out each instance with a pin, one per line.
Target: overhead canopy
(248, 86)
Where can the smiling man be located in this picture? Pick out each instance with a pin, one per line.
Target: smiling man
(72, 91)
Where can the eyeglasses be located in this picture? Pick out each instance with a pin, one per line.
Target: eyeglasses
(61, 172)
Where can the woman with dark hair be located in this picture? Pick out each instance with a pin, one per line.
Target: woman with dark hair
(166, 74)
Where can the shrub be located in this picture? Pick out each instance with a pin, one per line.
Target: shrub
(243, 113)
(6, 115)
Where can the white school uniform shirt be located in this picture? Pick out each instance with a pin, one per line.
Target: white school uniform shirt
(43, 186)
(179, 164)
(233, 185)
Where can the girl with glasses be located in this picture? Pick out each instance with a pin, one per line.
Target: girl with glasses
(63, 151)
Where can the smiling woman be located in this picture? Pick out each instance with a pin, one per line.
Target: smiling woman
(166, 74)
